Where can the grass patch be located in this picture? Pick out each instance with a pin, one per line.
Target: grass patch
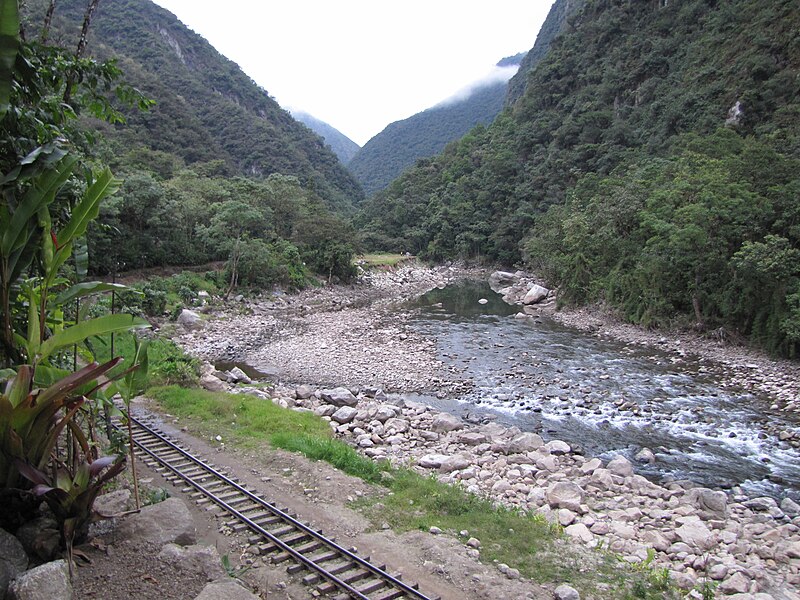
(369, 261)
(168, 364)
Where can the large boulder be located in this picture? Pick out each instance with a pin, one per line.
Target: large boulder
(501, 279)
(710, 502)
(166, 522)
(565, 494)
(202, 560)
(190, 320)
(339, 396)
(695, 534)
(525, 442)
(535, 295)
(49, 581)
(13, 560)
(444, 422)
(344, 414)
(619, 465)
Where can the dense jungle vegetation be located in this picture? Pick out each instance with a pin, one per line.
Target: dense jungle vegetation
(651, 164)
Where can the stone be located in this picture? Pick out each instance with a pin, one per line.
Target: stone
(566, 517)
(435, 530)
(339, 396)
(601, 479)
(645, 456)
(474, 543)
(524, 442)
(557, 447)
(166, 522)
(445, 422)
(384, 413)
(566, 592)
(694, 533)
(113, 503)
(579, 531)
(226, 589)
(203, 560)
(432, 461)
(239, 376)
(535, 294)
(325, 410)
(708, 501)
(49, 581)
(40, 538)
(501, 279)
(344, 414)
(718, 572)
(13, 559)
(738, 583)
(456, 462)
(764, 504)
(619, 465)
(399, 425)
(590, 466)
(190, 320)
(303, 392)
(565, 494)
(790, 507)
(656, 540)
(472, 438)
(211, 383)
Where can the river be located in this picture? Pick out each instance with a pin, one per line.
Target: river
(604, 397)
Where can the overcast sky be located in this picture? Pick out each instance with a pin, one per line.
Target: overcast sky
(362, 64)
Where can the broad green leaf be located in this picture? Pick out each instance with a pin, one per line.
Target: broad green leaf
(95, 327)
(80, 251)
(87, 288)
(9, 45)
(41, 193)
(89, 207)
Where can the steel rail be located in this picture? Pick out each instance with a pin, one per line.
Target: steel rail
(299, 557)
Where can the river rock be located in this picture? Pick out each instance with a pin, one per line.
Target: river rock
(738, 583)
(708, 501)
(645, 456)
(385, 412)
(619, 465)
(49, 581)
(445, 422)
(203, 560)
(398, 425)
(303, 392)
(565, 494)
(456, 462)
(13, 560)
(432, 461)
(239, 376)
(166, 522)
(344, 414)
(694, 533)
(602, 479)
(211, 383)
(524, 442)
(790, 507)
(565, 592)
(339, 396)
(579, 531)
(472, 438)
(535, 294)
(558, 447)
(189, 319)
(501, 279)
(764, 504)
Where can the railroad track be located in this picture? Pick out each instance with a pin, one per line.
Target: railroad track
(330, 569)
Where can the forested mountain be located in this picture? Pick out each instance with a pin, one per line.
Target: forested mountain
(425, 134)
(206, 108)
(652, 163)
(552, 26)
(342, 146)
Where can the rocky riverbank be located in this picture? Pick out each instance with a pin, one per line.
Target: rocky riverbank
(359, 337)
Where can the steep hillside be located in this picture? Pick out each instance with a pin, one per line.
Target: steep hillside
(207, 108)
(621, 119)
(402, 143)
(342, 146)
(555, 22)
